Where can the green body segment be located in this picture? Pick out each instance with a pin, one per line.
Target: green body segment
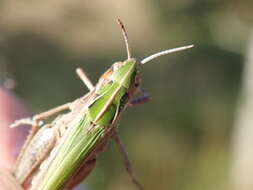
(84, 135)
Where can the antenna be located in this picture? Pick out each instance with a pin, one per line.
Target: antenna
(161, 53)
(125, 38)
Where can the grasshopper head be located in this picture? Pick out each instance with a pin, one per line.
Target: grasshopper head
(126, 72)
(123, 73)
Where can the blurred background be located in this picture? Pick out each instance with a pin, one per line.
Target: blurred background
(193, 134)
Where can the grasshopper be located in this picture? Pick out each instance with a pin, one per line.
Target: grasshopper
(60, 154)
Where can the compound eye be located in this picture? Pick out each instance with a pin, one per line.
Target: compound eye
(116, 66)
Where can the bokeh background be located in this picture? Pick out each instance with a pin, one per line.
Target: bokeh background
(184, 139)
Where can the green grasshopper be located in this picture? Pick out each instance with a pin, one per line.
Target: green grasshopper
(59, 155)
